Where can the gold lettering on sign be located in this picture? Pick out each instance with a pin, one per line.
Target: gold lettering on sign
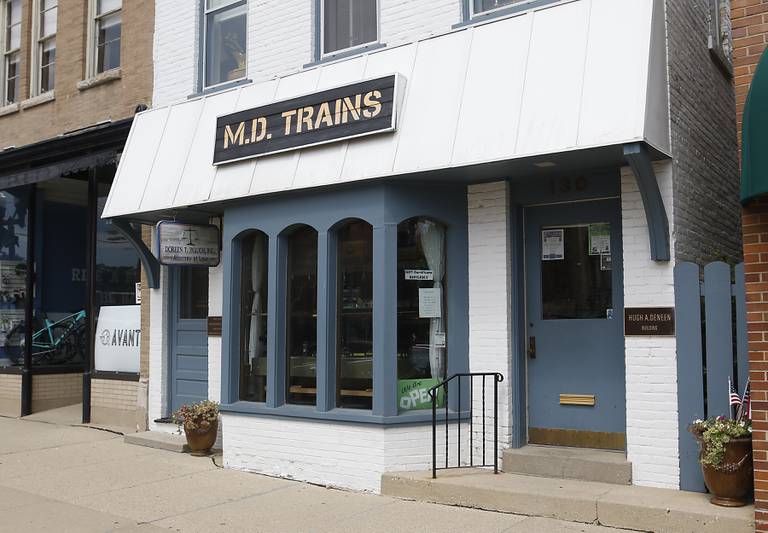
(324, 115)
(371, 100)
(288, 115)
(236, 137)
(260, 122)
(305, 117)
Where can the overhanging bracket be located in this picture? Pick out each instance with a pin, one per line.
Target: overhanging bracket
(655, 214)
(148, 260)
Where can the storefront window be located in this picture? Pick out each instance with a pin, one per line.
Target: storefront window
(421, 331)
(193, 297)
(355, 316)
(14, 227)
(61, 267)
(301, 327)
(253, 314)
(118, 313)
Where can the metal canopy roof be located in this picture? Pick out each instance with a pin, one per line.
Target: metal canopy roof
(566, 78)
(754, 152)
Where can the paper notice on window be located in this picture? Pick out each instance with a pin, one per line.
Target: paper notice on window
(605, 262)
(552, 244)
(429, 303)
(599, 239)
(439, 339)
(419, 275)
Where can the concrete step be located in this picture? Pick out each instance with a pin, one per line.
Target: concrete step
(161, 440)
(604, 466)
(606, 504)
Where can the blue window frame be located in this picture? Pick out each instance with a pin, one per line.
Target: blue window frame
(370, 397)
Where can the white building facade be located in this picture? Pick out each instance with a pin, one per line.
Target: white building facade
(532, 183)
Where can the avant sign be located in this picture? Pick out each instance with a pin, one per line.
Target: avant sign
(187, 244)
(351, 111)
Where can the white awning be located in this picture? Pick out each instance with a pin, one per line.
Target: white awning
(572, 76)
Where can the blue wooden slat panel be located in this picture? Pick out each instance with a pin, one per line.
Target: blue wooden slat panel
(719, 336)
(742, 348)
(690, 371)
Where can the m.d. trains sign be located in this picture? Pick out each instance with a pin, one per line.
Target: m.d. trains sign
(332, 115)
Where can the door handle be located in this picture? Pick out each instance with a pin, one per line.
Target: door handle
(532, 347)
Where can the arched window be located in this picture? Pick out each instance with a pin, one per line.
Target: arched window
(254, 248)
(301, 311)
(354, 334)
(421, 310)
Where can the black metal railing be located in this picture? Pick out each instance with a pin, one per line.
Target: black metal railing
(458, 411)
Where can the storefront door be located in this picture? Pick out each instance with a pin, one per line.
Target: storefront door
(574, 300)
(189, 335)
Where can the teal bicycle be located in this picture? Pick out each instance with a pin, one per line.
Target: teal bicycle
(56, 342)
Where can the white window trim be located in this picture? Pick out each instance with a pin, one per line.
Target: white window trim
(473, 14)
(321, 44)
(90, 53)
(3, 55)
(36, 55)
(204, 43)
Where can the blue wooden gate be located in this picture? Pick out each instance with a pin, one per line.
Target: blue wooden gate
(711, 327)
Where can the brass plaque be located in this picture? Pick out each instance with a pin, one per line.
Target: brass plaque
(655, 321)
(577, 399)
(576, 438)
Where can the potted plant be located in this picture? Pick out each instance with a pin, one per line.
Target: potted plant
(201, 423)
(726, 458)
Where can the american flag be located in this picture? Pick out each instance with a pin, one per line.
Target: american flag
(735, 399)
(745, 411)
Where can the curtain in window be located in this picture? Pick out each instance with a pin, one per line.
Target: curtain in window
(257, 268)
(433, 244)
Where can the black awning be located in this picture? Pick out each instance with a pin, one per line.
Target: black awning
(72, 152)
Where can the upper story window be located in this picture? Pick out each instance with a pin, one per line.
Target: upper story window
(10, 46)
(225, 43)
(481, 6)
(348, 24)
(44, 44)
(106, 28)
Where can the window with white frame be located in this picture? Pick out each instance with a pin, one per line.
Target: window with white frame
(224, 46)
(348, 24)
(10, 47)
(44, 45)
(481, 6)
(105, 35)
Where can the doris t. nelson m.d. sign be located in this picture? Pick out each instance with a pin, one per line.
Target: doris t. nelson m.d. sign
(353, 110)
(188, 244)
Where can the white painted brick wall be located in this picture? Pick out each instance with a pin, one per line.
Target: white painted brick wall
(175, 50)
(351, 456)
(651, 365)
(158, 351)
(280, 37)
(489, 321)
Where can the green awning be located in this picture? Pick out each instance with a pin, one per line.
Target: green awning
(754, 153)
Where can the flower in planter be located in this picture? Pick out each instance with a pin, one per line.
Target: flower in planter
(198, 415)
(715, 433)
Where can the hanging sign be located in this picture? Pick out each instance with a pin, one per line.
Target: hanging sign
(552, 244)
(327, 116)
(599, 239)
(118, 338)
(188, 244)
(655, 321)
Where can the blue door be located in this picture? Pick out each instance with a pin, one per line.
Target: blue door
(189, 335)
(574, 300)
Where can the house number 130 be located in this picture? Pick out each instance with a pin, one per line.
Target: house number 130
(566, 185)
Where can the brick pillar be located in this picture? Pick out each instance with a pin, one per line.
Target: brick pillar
(755, 227)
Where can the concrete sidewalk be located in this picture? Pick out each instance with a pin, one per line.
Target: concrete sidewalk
(73, 479)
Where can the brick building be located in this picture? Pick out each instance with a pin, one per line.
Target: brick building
(510, 196)
(72, 77)
(750, 36)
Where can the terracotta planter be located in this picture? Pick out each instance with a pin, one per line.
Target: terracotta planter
(731, 484)
(201, 440)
